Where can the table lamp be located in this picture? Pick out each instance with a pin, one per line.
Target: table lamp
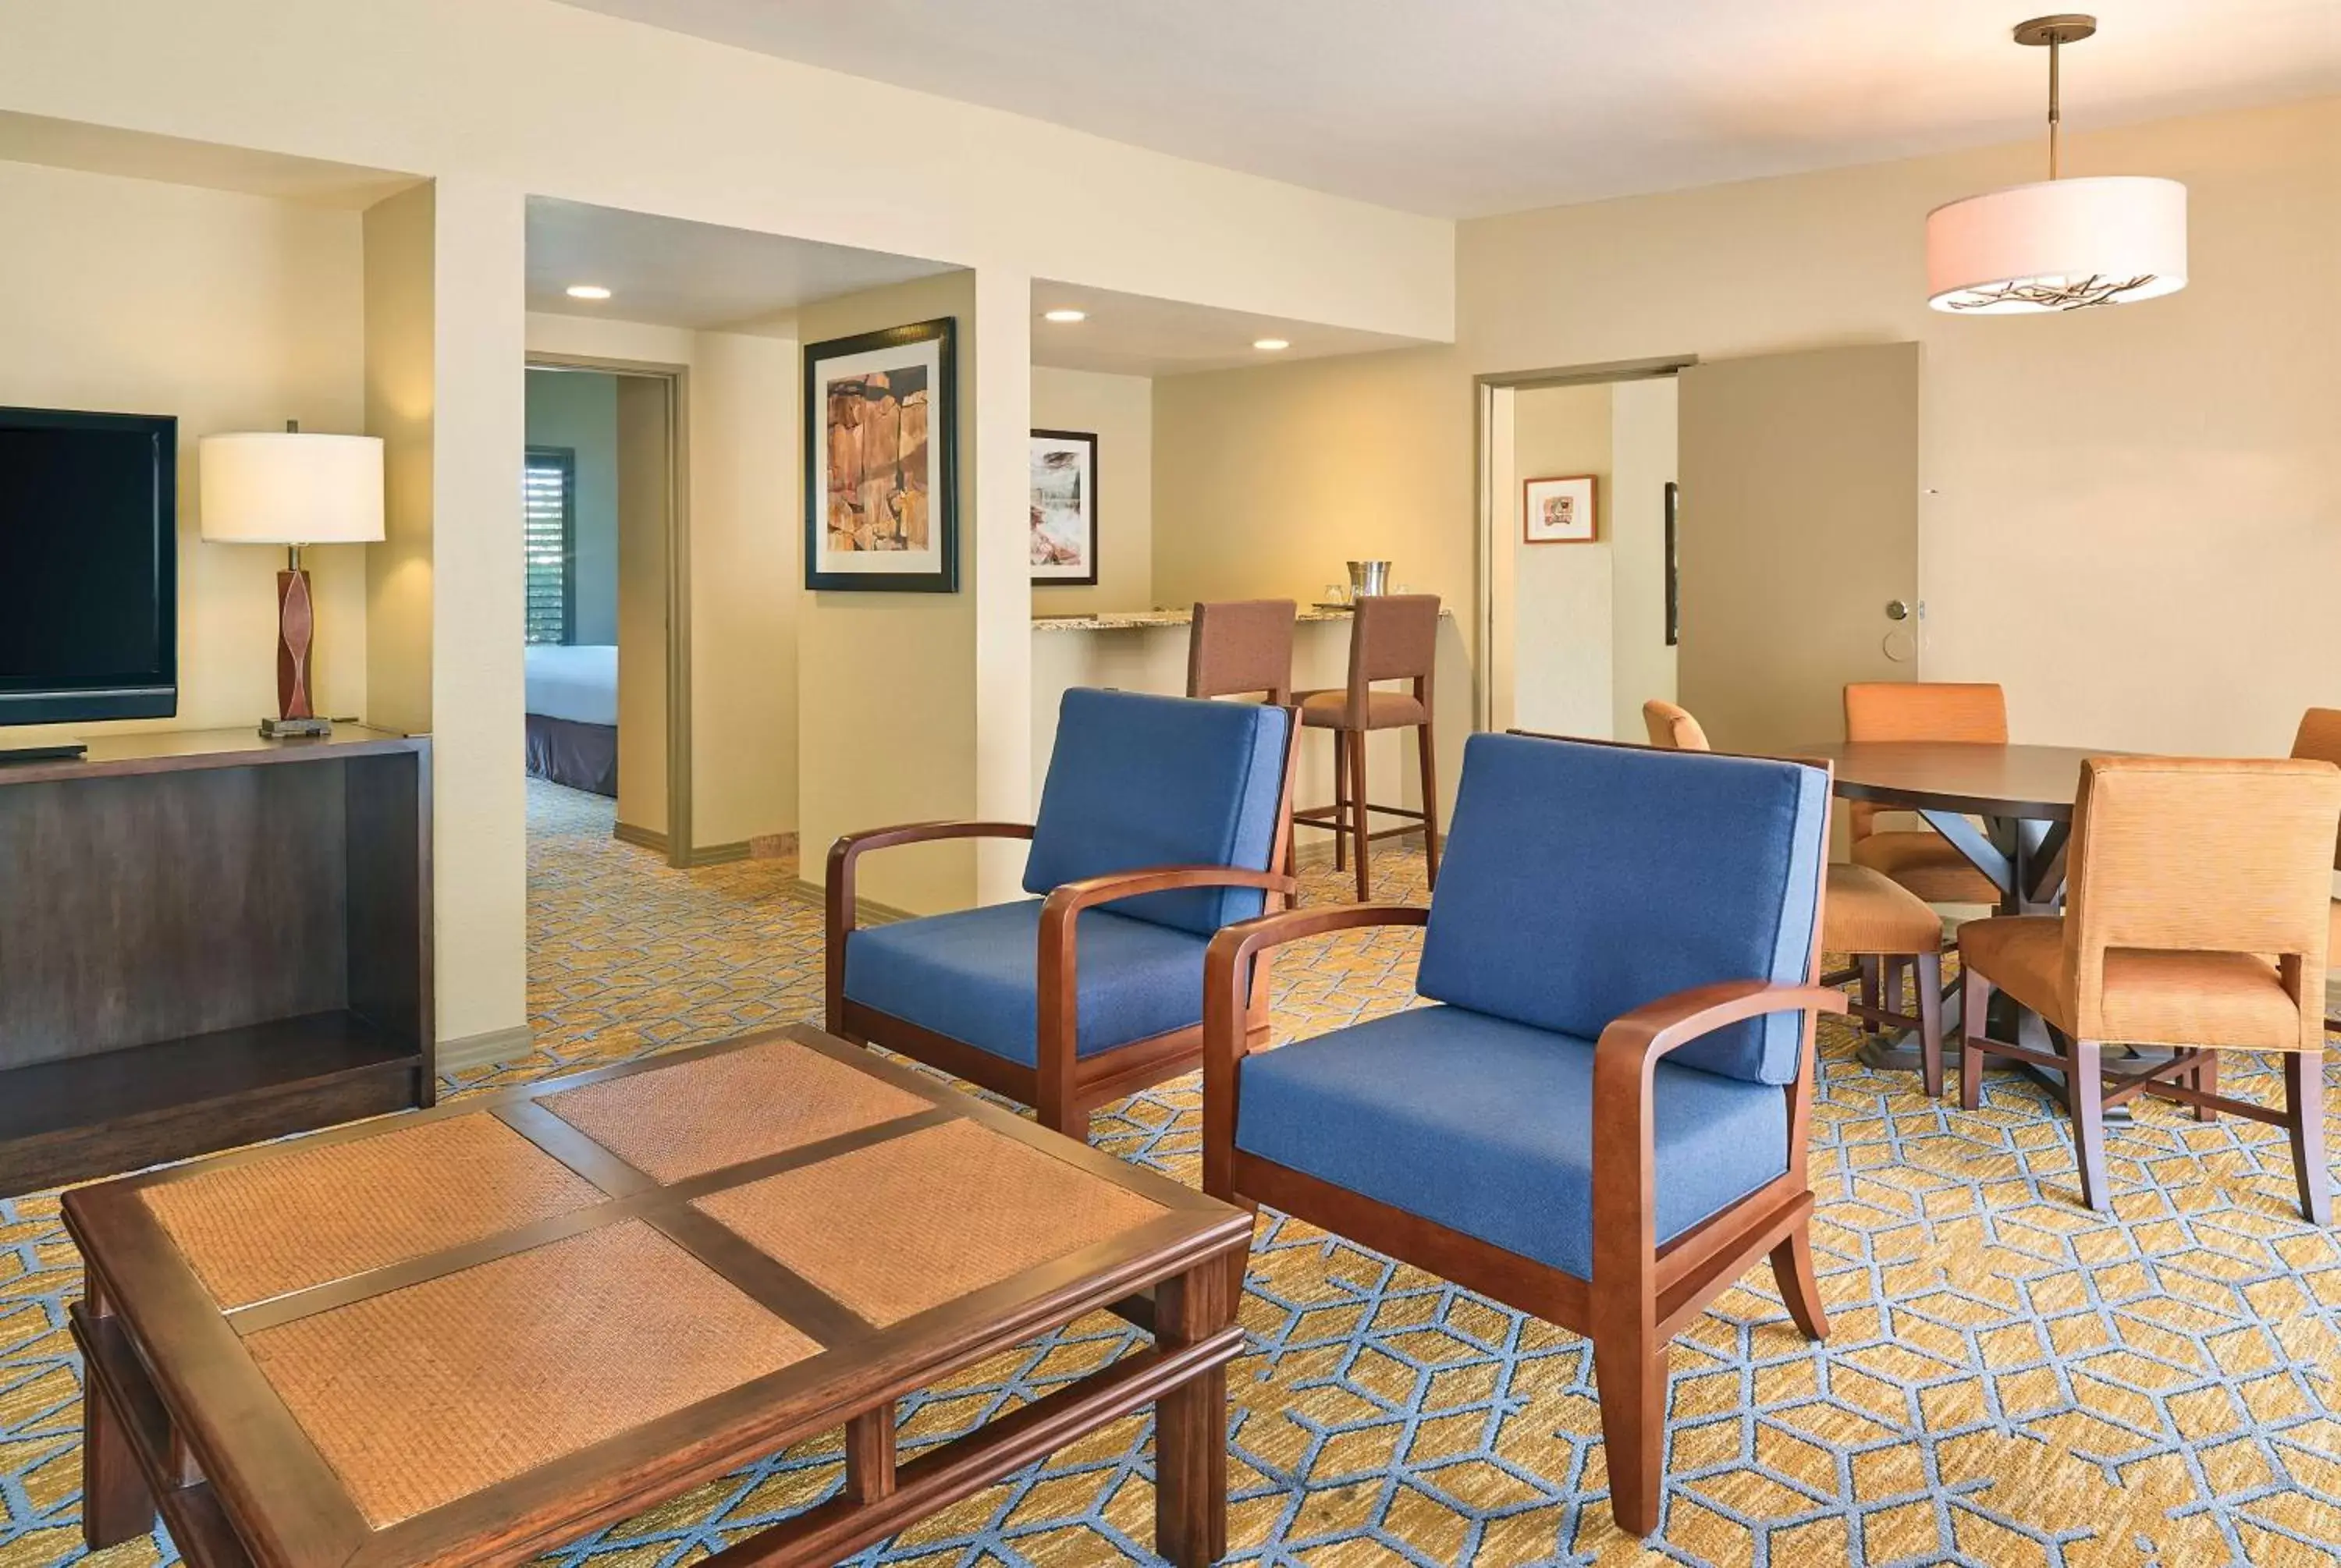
(267, 487)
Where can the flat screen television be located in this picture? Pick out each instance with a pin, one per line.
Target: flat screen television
(89, 601)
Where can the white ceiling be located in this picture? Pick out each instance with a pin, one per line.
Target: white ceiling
(1135, 335)
(138, 155)
(1465, 107)
(671, 273)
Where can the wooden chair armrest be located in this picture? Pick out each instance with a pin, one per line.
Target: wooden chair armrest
(838, 900)
(1227, 982)
(1625, 1205)
(1073, 897)
(850, 847)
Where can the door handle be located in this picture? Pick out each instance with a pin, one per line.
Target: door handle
(1897, 610)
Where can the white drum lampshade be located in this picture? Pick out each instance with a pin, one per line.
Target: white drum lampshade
(2058, 246)
(285, 487)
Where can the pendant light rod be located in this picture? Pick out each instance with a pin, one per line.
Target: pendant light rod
(2055, 33)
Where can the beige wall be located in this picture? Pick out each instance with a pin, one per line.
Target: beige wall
(1558, 618)
(1119, 411)
(740, 439)
(232, 313)
(400, 237)
(1641, 463)
(647, 426)
(886, 682)
(2133, 516)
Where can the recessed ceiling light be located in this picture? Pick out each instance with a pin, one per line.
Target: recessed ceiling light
(587, 291)
(1066, 316)
(1272, 344)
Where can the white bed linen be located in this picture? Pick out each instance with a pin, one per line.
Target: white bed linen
(578, 683)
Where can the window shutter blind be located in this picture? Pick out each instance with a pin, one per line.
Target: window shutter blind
(548, 516)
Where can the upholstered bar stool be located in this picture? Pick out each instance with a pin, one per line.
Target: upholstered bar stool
(1236, 647)
(1392, 636)
(1876, 921)
(2320, 739)
(1920, 859)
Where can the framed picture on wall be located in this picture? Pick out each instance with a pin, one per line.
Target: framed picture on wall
(880, 463)
(1559, 510)
(1064, 508)
(1674, 599)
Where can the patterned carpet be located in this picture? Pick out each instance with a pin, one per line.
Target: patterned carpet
(2010, 1380)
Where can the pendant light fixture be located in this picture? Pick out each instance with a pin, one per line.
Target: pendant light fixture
(2060, 245)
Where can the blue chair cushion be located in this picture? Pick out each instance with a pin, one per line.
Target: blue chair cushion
(973, 975)
(1486, 1126)
(1138, 781)
(1582, 881)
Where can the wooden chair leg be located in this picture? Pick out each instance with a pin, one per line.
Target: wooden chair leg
(2303, 1105)
(1872, 988)
(1975, 1000)
(2205, 1080)
(1630, 1373)
(1930, 1022)
(1340, 800)
(2085, 1098)
(1430, 757)
(1801, 1291)
(1359, 794)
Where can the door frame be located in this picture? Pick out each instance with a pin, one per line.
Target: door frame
(1491, 390)
(675, 843)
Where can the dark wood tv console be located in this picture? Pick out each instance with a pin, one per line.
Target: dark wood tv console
(208, 939)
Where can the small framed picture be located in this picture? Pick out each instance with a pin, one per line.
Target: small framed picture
(1559, 510)
(881, 472)
(1064, 508)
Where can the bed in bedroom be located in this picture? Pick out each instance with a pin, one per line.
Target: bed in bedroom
(573, 716)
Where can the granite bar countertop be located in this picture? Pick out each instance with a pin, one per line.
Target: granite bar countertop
(1139, 619)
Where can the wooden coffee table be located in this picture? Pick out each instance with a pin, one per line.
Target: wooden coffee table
(472, 1333)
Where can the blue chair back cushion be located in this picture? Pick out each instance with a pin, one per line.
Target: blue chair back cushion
(1138, 781)
(973, 976)
(1486, 1126)
(1582, 881)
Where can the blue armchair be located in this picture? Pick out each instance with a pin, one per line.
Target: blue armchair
(1163, 819)
(1602, 1121)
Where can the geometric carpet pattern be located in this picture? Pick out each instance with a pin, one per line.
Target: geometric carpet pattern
(2008, 1380)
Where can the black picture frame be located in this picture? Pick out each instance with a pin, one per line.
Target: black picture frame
(1674, 600)
(1088, 439)
(943, 441)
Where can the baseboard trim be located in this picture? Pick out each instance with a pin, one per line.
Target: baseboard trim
(494, 1048)
(718, 854)
(640, 838)
(866, 911)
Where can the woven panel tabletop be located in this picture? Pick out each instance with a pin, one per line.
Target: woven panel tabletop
(426, 1394)
(310, 1214)
(702, 1116)
(900, 1226)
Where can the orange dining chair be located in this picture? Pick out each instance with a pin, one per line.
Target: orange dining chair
(1882, 926)
(2320, 737)
(1920, 859)
(2189, 876)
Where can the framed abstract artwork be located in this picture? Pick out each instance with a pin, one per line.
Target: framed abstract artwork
(881, 461)
(1559, 510)
(1064, 508)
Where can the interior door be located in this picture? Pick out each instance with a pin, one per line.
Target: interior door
(1797, 553)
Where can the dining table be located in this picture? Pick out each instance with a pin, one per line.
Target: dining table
(2009, 811)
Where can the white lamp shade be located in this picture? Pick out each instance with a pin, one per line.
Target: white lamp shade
(284, 487)
(2058, 246)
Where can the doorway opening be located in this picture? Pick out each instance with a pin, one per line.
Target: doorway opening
(1738, 536)
(607, 617)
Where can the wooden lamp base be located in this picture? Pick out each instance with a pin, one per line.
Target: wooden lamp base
(296, 624)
